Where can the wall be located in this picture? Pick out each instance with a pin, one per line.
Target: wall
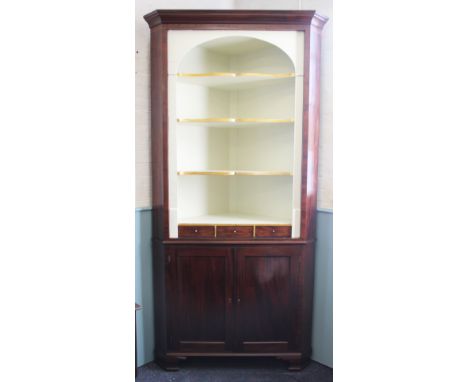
(143, 286)
(322, 346)
(322, 321)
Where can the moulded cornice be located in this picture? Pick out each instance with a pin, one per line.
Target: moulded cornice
(200, 16)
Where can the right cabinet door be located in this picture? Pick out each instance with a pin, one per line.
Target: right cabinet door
(267, 298)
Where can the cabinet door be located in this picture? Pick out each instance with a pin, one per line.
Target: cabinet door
(267, 298)
(200, 287)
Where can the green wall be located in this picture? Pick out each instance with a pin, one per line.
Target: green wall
(322, 321)
(322, 328)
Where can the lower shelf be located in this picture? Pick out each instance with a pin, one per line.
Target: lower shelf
(234, 219)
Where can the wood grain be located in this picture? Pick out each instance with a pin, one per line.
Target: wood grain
(234, 232)
(272, 231)
(196, 231)
(201, 16)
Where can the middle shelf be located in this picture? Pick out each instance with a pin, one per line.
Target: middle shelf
(236, 172)
(237, 122)
(231, 80)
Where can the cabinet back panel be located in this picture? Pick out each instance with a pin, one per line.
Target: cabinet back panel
(264, 149)
(196, 101)
(202, 195)
(268, 196)
(262, 195)
(276, 100)
(252, 148)
(202, 148)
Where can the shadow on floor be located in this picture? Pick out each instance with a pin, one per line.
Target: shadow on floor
(235, 370)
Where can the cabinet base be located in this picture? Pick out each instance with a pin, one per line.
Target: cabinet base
(296, 363)
(171, 362)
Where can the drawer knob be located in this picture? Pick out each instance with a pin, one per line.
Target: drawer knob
(273, 231)
(235, 231)
(196, 230)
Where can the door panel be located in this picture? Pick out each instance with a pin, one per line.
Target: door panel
(202, 299)
(267, 279)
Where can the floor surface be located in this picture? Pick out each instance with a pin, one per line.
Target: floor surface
(234, 370)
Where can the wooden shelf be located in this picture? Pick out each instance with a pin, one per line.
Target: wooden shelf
(242, 74)
(237, 122)
(230, 80)
(263, 173)
(236, 172)
(207, 172)
(233, 219)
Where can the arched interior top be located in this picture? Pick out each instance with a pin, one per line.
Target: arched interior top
(237, 54)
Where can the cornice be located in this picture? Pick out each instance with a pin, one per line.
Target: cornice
(200, 16)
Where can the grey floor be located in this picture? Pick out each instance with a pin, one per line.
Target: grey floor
(235, 370)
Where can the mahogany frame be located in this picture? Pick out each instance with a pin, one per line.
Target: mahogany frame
(160, 22)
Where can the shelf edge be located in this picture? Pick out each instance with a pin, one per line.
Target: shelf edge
(236, 172)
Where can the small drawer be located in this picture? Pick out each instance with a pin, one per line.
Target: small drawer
(273, 231)
(234, 231)
(196, 231)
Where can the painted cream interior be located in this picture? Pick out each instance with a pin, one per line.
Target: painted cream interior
(235, 127)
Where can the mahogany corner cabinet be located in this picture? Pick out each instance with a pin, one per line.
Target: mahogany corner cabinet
(234, 137)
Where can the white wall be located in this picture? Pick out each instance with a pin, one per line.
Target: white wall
(142, 87)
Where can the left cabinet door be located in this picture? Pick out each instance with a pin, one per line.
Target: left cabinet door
(199, 299)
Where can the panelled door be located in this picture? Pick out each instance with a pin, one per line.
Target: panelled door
(267, 298)
(200, 287)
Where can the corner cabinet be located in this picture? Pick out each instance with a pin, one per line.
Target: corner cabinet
(234, 131)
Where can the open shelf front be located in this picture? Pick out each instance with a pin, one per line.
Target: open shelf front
(235, 135)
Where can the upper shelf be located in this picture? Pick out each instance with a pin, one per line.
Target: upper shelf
(231, 80)
(236, 122)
